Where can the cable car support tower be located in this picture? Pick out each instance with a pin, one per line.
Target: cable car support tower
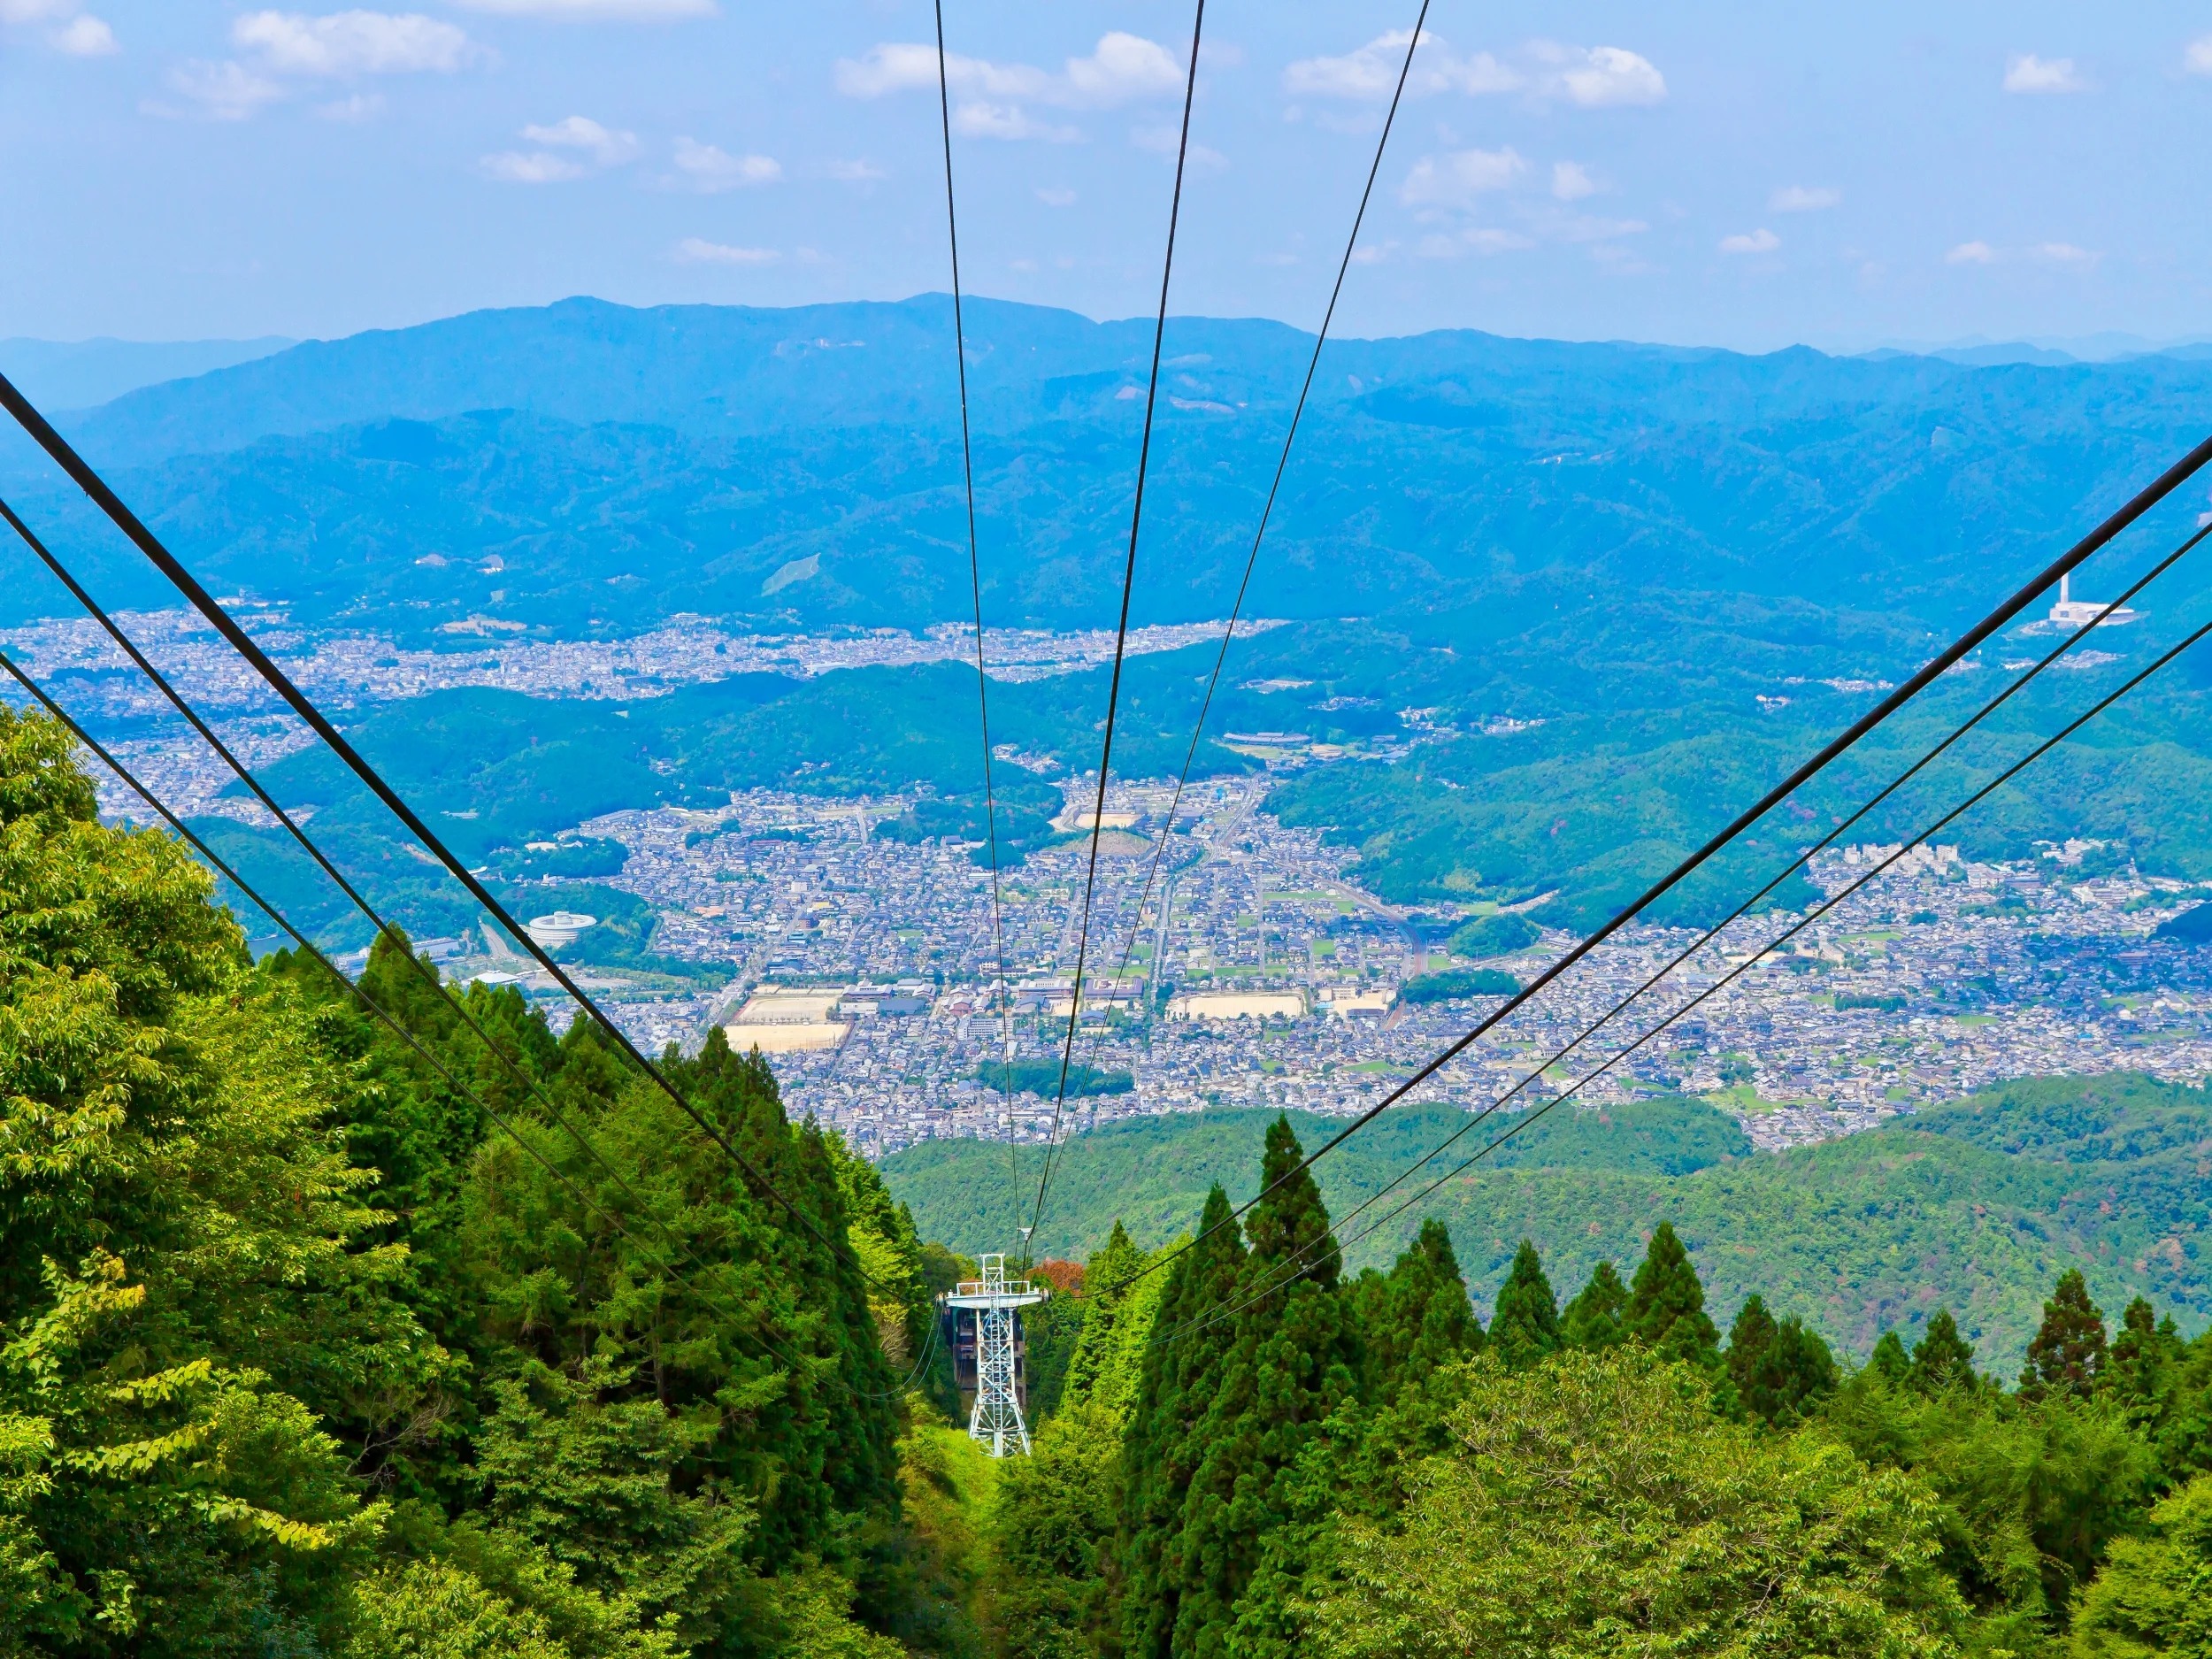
(995, 1300)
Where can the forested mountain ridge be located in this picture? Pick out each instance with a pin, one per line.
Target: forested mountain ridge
(1640, 581)
(700, 449)
(1974, 1206)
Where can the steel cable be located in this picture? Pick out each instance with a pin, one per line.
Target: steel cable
(1121, 627)
(82, 473)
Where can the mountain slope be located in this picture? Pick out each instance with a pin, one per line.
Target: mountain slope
(1976, 1206)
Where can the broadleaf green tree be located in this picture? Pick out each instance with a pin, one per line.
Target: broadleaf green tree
(2154, 1595)
(1596, 1504)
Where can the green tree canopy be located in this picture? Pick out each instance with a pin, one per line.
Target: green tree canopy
(1422, 1320)
(1942, 1359)
(1593, 1319)
(1597, 1505)
(1184, 1358)
(1524, 1325)
(1294, 1359)
(1666, 1304)
(2154, 1595)
(1779, 1370)
(2067, 1350)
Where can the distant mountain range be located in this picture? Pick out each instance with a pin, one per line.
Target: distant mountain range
(1689, 565)
(67, 374)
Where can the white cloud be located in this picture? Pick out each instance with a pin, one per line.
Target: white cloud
(84, 36)
(2196, 57)
(1488, 240)
(1123, 68)
(361, 106)
(537, 166)
(1591, 76)
(596, 10)
(1057, 196)
(1456, 179)
(1120, 69)
(1372, 71)
(1597, 77)
(599, 146)
(1010, 121)
(75, 35)
(222, 92)
(1798, 198)
(902, 66)
(2056, 253)
(2027, 72)
(353, 43)
(1760, 241)
(1571, 181)
(604, 146)
(2063, 253)
(698, 251)
(712, 170)
(856, 171)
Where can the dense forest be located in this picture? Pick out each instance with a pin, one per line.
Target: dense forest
(452, 1338)
(1977, 1204)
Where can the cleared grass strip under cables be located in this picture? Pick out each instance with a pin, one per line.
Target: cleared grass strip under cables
(314, 952)
(1259, 534)
(2141, 503)
(1121, 628)
(95, 487)
(975, 590)
(1810, 916)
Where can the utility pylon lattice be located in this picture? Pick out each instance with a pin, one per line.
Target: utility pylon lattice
(994, 1303)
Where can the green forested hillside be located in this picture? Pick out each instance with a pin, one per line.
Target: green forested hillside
(1306, 1462)
(313, 1342)
(452, 1339)
(1974, 1207)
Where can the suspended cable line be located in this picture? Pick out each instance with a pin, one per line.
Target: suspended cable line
(1973, 800)
(975, 590)
(222, 868)
(2148, 497)
(382, 928)
(1803, 858)
(97, 489)
(1259, 534)
(1121, 627)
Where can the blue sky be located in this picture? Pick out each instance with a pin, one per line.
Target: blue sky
(1737, 174)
